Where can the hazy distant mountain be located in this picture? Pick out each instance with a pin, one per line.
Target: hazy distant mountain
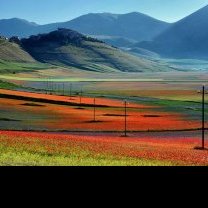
(132, 26)
(65, 47)
(17, 27)
(135, 26)
(187, 38)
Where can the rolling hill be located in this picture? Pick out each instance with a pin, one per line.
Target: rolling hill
(14, 59)
(187, 38)
(13, 52)
(68, 48)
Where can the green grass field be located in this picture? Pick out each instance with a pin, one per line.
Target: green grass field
(11, 67)
(14, 53)
(7, 85)
(23, 157)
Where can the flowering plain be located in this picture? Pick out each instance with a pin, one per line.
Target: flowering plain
(30, 148)
(70, 136)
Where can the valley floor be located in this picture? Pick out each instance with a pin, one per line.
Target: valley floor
(160, 108)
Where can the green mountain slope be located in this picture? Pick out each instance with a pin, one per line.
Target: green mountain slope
(13, 52)
(14, 59)
(69, 48)
(186, 39)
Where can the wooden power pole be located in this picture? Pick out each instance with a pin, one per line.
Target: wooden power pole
(203, 117)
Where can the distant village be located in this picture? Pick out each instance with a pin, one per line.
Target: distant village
(14, 39)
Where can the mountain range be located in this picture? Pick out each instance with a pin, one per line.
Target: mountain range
(17, 27)
(137, 32)
(132, 27)
(187, 38)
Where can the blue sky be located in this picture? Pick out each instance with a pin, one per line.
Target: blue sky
(47, 11)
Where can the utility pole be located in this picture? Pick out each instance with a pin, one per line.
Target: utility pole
(63, 88)
(55, 88)
(52, 87)
(203, 120)
(70, 91)
(80, 97)
(203, 117)
(46, 86)
(94, 113)
(59, 89)
(125, 120)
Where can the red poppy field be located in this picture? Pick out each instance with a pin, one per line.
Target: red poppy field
(71, 115)
(26, 148)
(74, 138)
